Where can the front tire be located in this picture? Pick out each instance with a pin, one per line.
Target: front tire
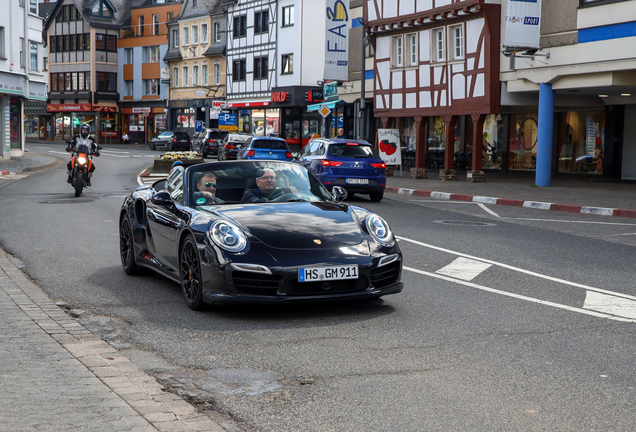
(190, 274)
(79, 183)
(169, 147)
(127, 248)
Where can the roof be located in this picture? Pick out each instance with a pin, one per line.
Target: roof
(121, 10)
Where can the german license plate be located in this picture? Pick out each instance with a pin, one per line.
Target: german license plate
(311, 274)
(358, 181)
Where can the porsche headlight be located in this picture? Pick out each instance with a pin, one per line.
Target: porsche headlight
(379, 229)
(228, 236)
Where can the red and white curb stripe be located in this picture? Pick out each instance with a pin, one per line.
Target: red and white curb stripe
(597, 211)
(6, 173)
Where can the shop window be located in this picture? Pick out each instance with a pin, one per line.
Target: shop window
(160, 124)
(288, 16)
(32, 126)
(238, 70)
(261, 22)
(310, 127)
(522, 142)
(492, 145)
(581, 141)
(109, 126)
(239, 26)
(272, 117)
(260, 67)
(287, 64)
(258, 122)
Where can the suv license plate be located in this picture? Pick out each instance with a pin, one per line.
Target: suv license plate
(358, 181)
(311, 274)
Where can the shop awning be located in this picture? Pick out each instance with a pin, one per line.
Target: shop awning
(330, 105)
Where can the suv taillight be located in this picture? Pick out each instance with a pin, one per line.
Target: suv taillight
(251, 153)
(381, 165)
(229, 146)
(174, 140)
(211, 140)
(329, 163)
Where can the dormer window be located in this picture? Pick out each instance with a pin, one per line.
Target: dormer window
(102, 9)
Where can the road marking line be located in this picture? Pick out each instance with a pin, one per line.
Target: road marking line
(610, 304)
(520, 270)
(487, 210)
(571, 221)
(113, 155)
(521, 297)
(464, 268)
(113, 151)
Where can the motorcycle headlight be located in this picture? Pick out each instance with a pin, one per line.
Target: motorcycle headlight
(227, 236)
(379, 229)
(81, 160)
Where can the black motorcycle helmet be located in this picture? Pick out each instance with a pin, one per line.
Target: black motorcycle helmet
(85, 130)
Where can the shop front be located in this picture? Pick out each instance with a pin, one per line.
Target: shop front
(38, 124)
(107, 117)
(296, 123)
(142, 124)
(183, 114)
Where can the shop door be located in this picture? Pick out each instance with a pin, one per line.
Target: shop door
(150, 128)
(48, 127)
(629, 144)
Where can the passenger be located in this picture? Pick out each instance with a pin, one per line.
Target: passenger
(207, 190)
(341, 134)
(266, 184)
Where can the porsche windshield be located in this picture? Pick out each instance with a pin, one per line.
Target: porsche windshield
(250, 182)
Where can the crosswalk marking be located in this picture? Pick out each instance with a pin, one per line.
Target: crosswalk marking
(464, 268)
(610, 304)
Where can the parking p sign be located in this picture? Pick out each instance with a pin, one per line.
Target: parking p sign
(198, 126)
(228, 122)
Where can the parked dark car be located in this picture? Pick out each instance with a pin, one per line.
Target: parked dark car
(172, 141)
(208, 140)
(354, 165)
(231, 145)
(300, 244)
(265, 148)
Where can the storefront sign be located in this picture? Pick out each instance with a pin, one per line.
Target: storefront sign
(69, 107)
(247, 104)
(337, 41)
(165, 73)
(180, 104)
(523, 24)
(13, 84)
(389, 146)
(280, 96)
(330, 91)
(110, 134)
(37, 90)
(219, 104)
(141, 110)
(103, 108)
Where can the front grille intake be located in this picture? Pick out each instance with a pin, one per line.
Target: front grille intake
(255, 283)
(385, 275)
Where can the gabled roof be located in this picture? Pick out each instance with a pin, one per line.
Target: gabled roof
(121, 9)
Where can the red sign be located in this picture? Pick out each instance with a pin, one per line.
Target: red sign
(280, 96)
(109, 134)
(103, 108)
(245, 104)
(68, 107)
(141, 110)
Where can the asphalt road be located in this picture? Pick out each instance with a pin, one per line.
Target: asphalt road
(511, 319)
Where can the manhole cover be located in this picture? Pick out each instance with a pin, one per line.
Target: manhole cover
(466, 223)
(68, 201)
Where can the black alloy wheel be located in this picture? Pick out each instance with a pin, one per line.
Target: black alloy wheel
(190, 273)
(126, 248)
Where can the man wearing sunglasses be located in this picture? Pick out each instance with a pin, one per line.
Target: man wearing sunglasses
(207, 190)
(266, 185)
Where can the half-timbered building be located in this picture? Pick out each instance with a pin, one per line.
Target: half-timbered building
(436, 74)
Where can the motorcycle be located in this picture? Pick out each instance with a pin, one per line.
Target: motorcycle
(81, 165)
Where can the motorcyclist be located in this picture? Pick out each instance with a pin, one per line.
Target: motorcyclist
(83, 138)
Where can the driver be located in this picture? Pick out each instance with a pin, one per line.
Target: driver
(266, 185)
(207, 190)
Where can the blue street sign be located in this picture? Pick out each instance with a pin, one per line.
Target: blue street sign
(227, 119)
(198, 126)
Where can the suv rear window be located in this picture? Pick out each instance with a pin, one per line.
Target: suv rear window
(270, 144)
(216, 135)
(354, 151)
(181, 135)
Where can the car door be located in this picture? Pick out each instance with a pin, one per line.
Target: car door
(164, 222)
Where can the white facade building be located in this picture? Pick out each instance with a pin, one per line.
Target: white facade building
(23, 73)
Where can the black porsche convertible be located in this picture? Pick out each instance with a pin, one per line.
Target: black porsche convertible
(212, 228)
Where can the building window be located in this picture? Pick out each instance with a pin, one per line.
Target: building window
(2, 49)
(261, 22)
(33, 53)
(128, 88)
(175, 77)
(238, 70)
(155, 24)
(185, 76)
(195, 75)
(102, 9)
(102, 43)
(204, 73)
(69, 13)
(440, 46)
(151, 87)
(170, 16)
(239, 27)
(217, 74)
(175, 38)
(106, 81)
(195, 34)
(151, 54)
(260, 67)
(204, 33)
(142, 26)
(398, 51)
(288, 16)
(287, 64)
(186, 36)
(33, 6)
(128, 55)
(217, 32)
(412, 39)
(45, 63)
(457, 33)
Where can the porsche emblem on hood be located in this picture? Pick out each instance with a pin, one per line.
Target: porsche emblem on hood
(317, 241)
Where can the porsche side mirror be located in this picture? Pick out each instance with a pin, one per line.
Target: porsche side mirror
(339, 193)
(162, 198)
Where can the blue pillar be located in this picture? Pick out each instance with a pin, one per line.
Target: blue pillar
(544, 135)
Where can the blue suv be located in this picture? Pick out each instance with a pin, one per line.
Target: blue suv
(354, 165)
(265, 148)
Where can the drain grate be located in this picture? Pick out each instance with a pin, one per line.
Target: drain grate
(465, 223)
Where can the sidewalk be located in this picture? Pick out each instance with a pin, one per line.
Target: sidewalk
(58, 376)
